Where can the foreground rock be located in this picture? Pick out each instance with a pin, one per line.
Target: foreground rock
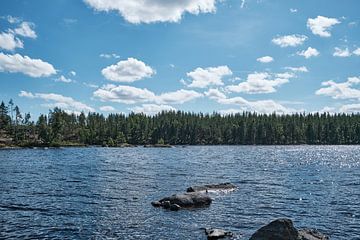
(283, 229)
(212, 187)
(214, 233)
(185, 200)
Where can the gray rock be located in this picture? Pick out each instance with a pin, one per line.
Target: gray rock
(212, 187)
(215, 233)
(188, 200)
(311, 234)
(280, 229)
(166, 204)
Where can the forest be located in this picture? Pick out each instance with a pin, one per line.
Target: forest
(60, 128)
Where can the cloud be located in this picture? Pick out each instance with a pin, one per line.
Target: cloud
(152, 109)
(357, 52)
(57, 100)
(11, 19)
(293, 10)
(261, 83)
(9, 42)
(290, 40)
(150, 11)
(214, 93)
(107, 109)
(28, 66)
(343, 90)
(350, 108)
(203, 77)
(63, 79)
(124, 94)
(109, 55)
(129, 70)
(90, 85)
(132, 95)
(261, 106)
(177, 97)
(321, 26)
(341, 52)
(297, 69)
(242, 5)
(308, 53)
(26, 30)
(72, 73)
(265, 59)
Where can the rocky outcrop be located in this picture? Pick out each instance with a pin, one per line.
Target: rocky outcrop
(212, 187)
(214, 233)
(185, 200)
(283, 229)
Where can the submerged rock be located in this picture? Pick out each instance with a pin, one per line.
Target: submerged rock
(214, 233)
(311, 234)
(212, 187)
(283, 229)
(280, 229)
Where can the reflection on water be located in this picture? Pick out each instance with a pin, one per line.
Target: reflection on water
(103, 193)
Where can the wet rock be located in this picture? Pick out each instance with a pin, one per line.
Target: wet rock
(280, 229)
(175, 207)
(214, 233)
(212, 187)
(185, 200)
(311, 234)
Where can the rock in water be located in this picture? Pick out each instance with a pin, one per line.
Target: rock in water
(212, 187)
(215, 233)
(311, 234)
(187, 200)
(174, 207)
(280, 229)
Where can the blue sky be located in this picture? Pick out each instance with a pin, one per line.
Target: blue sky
(193, 55)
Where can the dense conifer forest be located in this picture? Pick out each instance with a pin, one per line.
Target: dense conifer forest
(59, 128)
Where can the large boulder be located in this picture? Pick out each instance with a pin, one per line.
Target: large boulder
(283, 229)
(212, 187)
(280, 229)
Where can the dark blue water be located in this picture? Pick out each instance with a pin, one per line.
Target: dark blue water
(103, 193)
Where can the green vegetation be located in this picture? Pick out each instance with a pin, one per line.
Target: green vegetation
(59, 128)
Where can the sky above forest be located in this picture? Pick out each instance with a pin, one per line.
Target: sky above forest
(227, 56)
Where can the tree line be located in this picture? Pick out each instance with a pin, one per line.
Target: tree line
(60, 128)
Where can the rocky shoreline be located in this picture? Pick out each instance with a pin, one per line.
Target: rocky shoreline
(199, 197)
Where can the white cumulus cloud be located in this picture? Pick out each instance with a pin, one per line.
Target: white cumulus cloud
(297, 69)
(150, 11)
(309, 52)
(262, 82)
(26, 65)
(25, 30)
(357, 52)
(203, 77)
(321, 26)
(152, 109)
(344, 90)
(63, 79)
(265, 59)
(290, 40)
(129, 70)
(58, 100)
(132, 95)
(339, 52)
(9, 42)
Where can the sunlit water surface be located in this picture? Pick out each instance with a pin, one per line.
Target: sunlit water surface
(105, 193)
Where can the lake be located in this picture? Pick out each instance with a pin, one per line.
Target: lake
(105, 193)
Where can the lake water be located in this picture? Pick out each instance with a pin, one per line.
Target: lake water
(105, 193)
